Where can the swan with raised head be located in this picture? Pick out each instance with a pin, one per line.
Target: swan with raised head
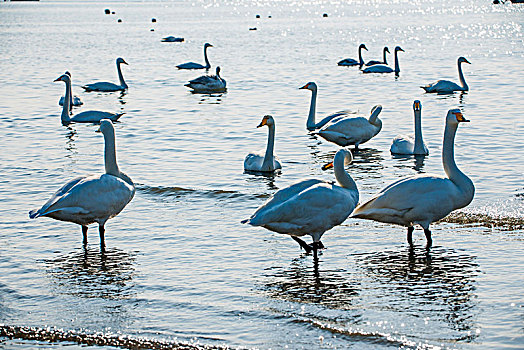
(404, 144)
(208, 83)
(382, 68)
(105, 86)
(353, 62)
(352, 130)
(94, 198)
(193, 65)
(422, 200)
(310, 124)
(172, 39)
(310, 207)
(267, 162)
(446, 86)
(82, 117)
(74, 101)
(384, 58)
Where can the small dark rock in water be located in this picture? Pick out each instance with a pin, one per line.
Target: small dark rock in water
(119, 20)
(153, 20)
(107, 11)
(257, 16)
(325, 15)
(152, 30)
(112, 12)
(254, 28)
(269, 17)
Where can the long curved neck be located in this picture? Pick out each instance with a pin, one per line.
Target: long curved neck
(120, 76)
(397, 67)
(419, 142)
(110, 155)
(268, 157)
(384, 57)
(461, 77)
(373, 119)
(448, 160)
(67, 104)
(360, 60)
(70, 97)
(310, 124)
(343, 178)
(208, 65)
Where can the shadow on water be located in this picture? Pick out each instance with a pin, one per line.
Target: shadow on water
(405, 161)
(121, 97)
(263, 178)
(71, 135)
(209, 98)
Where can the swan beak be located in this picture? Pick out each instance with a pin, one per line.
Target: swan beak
(417, 106)
(460, 117)
(304, 87)
(57, 79)
(400, 49)
(124, 62)
(327, 166)
(98, 130)
(468, 62)
(263, 122)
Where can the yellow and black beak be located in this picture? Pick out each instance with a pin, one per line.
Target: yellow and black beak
(417, 106)
(460, 117)
(305, 86)
(58, 79)
(327, 166)
(263, 122)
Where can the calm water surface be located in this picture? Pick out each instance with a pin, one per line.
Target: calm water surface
(179, 267)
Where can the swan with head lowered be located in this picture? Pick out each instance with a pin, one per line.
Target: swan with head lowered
(407, 144)
(310, 124)
(193, 65)
(74, 101)
(208, 83)
(384, 58)
(82, 117)
(422, 200)
(105, 86)
(353, 62)
(352, 130)
(310, 207)
(446, 86)
(95, 198)
(382, 68)
(267, 162)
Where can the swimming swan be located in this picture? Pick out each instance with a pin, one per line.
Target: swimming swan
(73, 101)
(352, 130)
(407, 144)
(351, 61)
(421, 200)
(310, 207)
(193, 65)
(94, 198)
(106, 86)
(310, 124)
(208, 83)
(82, 117)
(384, 58)
(172, 39)
(256, 162)
(446, 86)
(382, 68)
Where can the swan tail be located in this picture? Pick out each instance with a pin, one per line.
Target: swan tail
(245, 221)
(33, 214)
(426, 88)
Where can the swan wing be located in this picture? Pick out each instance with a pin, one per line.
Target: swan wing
(190, 65)
(374, 62)
(378, 68)
(335, 117)
(349, 131)
(95, 116)
(403, 144)
(348, 62)
(103, 86)
(442, 86)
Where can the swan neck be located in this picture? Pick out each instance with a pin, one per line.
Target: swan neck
(120, 76)
(268, 157)
(343, 178)
(419, 142)
(311, 125)
(397, 67)
(110, 155)
(465, 86)
(208, 65)
(70, 96)
(66, 107)
(360, 60)
(384, 58)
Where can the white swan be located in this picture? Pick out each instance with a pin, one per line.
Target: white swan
(310, 207)
(421, 200)
(74, 101)
(172, 39)
(208, 83)
(352, 130)
(82, 117)
(256, 162)
(407, 144)
(382, 68)
(193, 65)
(446, 86)
(106, 86)
(310, 124)
(353, 62)
(94, 198)
(384, 58)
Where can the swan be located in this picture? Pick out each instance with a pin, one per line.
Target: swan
(208, 83)
(408, 145)
(352, 130)
(106, 86)
(94, 198)
(310, 206)
(257, 162)
(384, 59)
(73, 101)
(83, 117)
(193, 65)
(382, 68)
(172, 39)
(446, 86)
(310, 124)
(352, 62)
(421, 200)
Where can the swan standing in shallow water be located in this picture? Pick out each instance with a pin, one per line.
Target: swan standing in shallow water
(105, 86)
(193, 65)
(74, 101)
(208, 83)
(382, 68)
(95, 198)
(353, 62)
(384, 58)
(310, 124)
(82, 117)
(446, 86)
(267, 163)
(421, 200)
(407, 144)
(352, 130)
(310, 207)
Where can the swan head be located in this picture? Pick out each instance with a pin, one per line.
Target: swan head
(463, 60)
(267, 120)
(206, 45)
(362, 46)
(64, 77)
(106, 127)
(386, 49)
(398, 48)
(67, 73)
(310, 86)
(120, 60)
(218, 71)
(455, 117)
(343, 155)
(417, 106)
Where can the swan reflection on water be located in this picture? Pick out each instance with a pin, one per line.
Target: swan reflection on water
(71, 136)
(405, 161)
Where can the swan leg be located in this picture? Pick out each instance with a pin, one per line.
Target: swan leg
(410, 235)
(316, 246)
(303, 244)
(429, 241)
(101, 231)
(84, 233)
